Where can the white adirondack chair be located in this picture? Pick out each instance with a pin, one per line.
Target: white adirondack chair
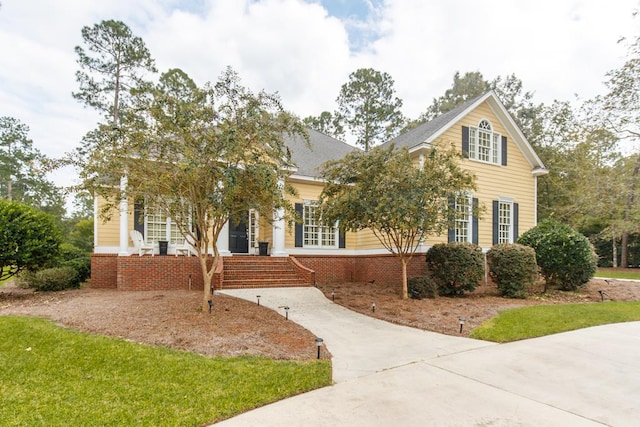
(184, 249)
(139, 244)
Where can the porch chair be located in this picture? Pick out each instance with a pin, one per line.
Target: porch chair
(184, 249)
(139, 244)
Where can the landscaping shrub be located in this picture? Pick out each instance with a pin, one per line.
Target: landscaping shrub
(51, 279)
(421, 287)
(513, 267)
(566, 258)
(455, 267)
(82, 266)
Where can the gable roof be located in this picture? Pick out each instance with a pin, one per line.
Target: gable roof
(424, 134)
(308, 158)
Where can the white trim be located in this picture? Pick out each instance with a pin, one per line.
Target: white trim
(124, 217)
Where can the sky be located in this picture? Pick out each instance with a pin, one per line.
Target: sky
(305, 50)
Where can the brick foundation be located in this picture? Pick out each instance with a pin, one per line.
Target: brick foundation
(169, 272)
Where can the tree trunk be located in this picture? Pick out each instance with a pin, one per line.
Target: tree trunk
(405, 293)
(624, 243)
(615, 253)
(207, 275)
(9, 190)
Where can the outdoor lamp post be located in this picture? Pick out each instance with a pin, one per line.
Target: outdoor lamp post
(333, 296)
(461, 320)
(373, 306)
(258, 296)
(319, 342)
(210, 305)
(286, 311)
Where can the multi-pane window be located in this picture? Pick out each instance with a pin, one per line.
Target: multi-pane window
(253, 228)
(484, 143)
(314, 232)
(160, 227)
(463, 218)
(505, 221)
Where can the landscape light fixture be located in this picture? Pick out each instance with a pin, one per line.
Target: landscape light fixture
(286, 311)
(333, 296)
(319, 342)
(373, 306)
(258, 296)
(602, 294)
(461, 320)
(210, 305)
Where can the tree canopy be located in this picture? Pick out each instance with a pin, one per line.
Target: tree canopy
(368, 107)
(23, 169)
(381, 190)
(202, 154)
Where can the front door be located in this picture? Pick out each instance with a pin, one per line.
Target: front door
(239, 236)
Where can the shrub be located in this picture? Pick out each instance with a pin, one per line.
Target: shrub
(82, 266)
(455, 267)
(566, 258)
(51, 279)
(421, 287)
(513, 267)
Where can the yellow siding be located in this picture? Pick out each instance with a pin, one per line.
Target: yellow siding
(109, 231)
(513, 181)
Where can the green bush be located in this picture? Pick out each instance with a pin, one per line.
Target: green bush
(82, 266)
(566, 258)
(513, 267)
(421, 287)
(69, 252)
(455, 267)
(51, 279)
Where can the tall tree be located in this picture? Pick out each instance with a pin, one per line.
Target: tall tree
(23, 169)
(369, 108)
(381, 191)
(203, 154)
(469, 86)
(114, 62)
(326, 123)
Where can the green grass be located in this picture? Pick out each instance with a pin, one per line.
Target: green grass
(633, 274)
(536, 321)
(52, 376)
(4, 281)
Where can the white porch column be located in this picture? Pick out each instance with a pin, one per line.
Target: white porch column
(278, 229)
(223, 240)
(124, 218)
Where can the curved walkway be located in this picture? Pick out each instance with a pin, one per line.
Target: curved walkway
(388, 375)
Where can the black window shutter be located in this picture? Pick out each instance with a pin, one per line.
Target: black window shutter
(342, 241)
(138, 215)
(451, 235)
(465, 142)
(515, 221)
(504, 151)
(496, 214)
(298, 226)
(474, 222)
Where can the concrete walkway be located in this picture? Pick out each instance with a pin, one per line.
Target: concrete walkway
(390, 375)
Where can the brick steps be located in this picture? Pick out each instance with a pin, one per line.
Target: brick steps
(259, 272)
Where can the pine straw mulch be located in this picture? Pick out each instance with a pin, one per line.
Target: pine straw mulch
(237, 327)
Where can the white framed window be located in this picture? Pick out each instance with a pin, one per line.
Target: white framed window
(314, 233)
(158, 227)
(253, 228)
(505, 221)
(464, 218)
(484, 143)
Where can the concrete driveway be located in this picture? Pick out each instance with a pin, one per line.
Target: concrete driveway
(390, 375)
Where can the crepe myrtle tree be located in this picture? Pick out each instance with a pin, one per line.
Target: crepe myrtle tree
(203, 154)
(402, 204)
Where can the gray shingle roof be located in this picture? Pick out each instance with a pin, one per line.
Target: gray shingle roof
(422, 132)
(309, 158)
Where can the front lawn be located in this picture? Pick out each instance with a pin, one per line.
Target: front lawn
(619, 273)
(536, 321)
(58, 377)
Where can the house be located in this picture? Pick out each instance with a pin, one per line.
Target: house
(494, 149)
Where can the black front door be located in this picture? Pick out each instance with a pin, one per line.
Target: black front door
(239, 236)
